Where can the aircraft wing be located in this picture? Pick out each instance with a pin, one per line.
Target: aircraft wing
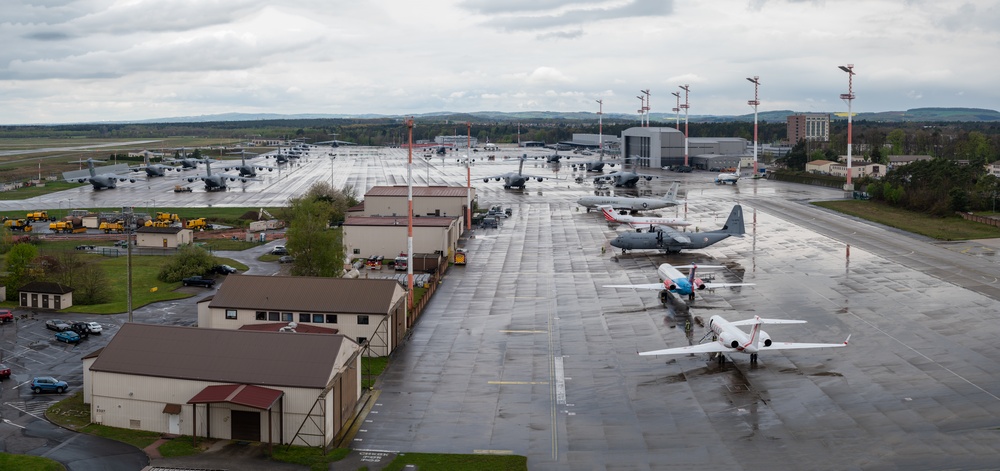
(530, 177)
(797, 346)
(674, 235)
(709, 347)
(651, 286)
(726, 285)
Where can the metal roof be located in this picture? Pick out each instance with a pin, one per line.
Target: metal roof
(47, 287)
(419, 191)
(306, 294)
(240, 394)
(159, 230)
(418, 221)
(299, 328)
(222, 355)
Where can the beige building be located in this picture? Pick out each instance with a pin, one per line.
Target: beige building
(163, 237)
(859, 169)
(387, 236)
(365, 310)
(438, 201)
(286, 388)
(45, 295)
(820, 166)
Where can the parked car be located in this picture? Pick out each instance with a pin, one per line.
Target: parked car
(56, 325)
(86, 247)
(198, 281)
(68, 336)
(121, 243)
(286, 259)
(222, 270)
(279, 250)
(6, 315)
(95, 328)
(489, 222)
(81, 328)
(4, 371)
(42, 384)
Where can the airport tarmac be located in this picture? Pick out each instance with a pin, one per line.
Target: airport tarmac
(522, 351)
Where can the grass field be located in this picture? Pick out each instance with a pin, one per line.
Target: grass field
(28, 462)
(952, 227)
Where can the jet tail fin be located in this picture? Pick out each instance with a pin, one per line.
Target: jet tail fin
(520, 167)
(734, 225)
(672, 192)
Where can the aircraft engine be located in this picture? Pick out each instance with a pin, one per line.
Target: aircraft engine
(131, 180)
(729, 342)
(498, 179)
(486, 180)
(765, 339)
(190, 180)
(270, 170)
(81, 180)
(539, 179)
(671, 286)
(232, 179)
(698, 284)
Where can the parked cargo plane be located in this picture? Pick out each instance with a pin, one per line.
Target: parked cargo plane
(639, 222)
(515, 179)
(672, 280)
(632, 204)
(154, 170)
(594, 165)
(102, 181)
(215, 182)
(673, 241)
(245, 169)
(724, 178)
(729, 338)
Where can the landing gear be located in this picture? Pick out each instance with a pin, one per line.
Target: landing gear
(722, 359)
(691, 296)
(624, 252)
(753, 358)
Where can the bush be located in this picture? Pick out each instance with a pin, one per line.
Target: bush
(190, 260)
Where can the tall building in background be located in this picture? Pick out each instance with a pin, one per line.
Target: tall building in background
(811, 127)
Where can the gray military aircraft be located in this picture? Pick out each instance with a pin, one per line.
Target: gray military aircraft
(515, 179)
(216, 182)
(672, 241)
(624, 178)
(154, 170)
(107, 180)
(594, 165)
(247, 170)
(632, 204)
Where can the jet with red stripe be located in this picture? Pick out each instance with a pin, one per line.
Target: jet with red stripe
(671, 279)
(729, 338)
(639, 222)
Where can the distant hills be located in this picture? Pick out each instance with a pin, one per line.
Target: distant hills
(911, 115)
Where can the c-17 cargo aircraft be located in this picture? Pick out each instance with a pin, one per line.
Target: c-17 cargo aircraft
(729, 338)
(245, 169)
(673, 241)
(594, 165)
(672, 280)
(515, 180)
(106, 180)
(632, 204)
(638, 222)
(216, 181)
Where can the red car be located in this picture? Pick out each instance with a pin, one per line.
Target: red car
(4, 371)
(6, 316)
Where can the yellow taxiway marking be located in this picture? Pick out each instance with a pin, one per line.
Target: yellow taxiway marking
(524, 331)
(517, 382)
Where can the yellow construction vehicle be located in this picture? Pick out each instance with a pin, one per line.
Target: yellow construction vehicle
(167, 217)
(157, 223)
(19, 225)
(198, 223)
(38, 216)
(109, 227)
(61, 226)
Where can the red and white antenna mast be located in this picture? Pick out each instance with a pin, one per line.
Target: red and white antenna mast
(849, 98)
(685, 106)
(600, 126)
(754, 103)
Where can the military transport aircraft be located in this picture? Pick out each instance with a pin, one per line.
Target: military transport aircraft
(594, 165)
(216, 182)
(639, 222)
(247, 170)
(153, 170)
(107, 180)
(672, 280)
(729, 338)
(624, 178)
(632, 204)
(515, 179)
(673, 241)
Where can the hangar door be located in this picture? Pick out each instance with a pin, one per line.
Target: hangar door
(245, 425)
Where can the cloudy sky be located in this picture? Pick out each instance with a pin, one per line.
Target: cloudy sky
(101, 60)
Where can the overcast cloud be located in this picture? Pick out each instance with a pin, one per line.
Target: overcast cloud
(103, 60)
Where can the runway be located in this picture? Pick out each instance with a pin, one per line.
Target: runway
(523, 351)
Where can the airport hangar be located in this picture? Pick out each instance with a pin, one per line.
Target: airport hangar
(660, 147)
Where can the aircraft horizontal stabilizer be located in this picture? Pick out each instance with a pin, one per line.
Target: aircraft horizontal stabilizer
(798, 346)
(710, 347)
(651, 286)
(760, 320)
(726, 285)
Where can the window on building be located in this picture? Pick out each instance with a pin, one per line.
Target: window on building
(286, 317)
(331, 318)
(362, 320)
(305, 317)
(357, 251)
(318, 318)
(260, 316)
(230, 313)
(362, 340)
(272, 316)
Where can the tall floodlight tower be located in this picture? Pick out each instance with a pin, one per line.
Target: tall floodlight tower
(468, 174)
(646, 106)
(642, 110)
(677, 109)
(754, 103)
(600, 126)
(849, 98)
(409, 218)
(129, 215)
(685, 106)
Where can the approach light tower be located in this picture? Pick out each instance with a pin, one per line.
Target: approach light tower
(642, 110)
(468, 174)
(600, 126)
(755, 103)
(409, 219)
(646, 107)
(849, 98)
(686, 105)
(677, 109)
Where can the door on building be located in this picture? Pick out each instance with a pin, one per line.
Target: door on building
(45, 301)
(164, 243)
(245, 425)
(34, 299)
(57, 302)
(174, 424)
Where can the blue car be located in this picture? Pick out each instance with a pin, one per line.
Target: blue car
(47, 383)
(68, 336)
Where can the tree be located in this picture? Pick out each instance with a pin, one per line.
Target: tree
(314, 245)
(796, 158)
(190, 260)
(18, 263)
(896, 138)
(91, 286)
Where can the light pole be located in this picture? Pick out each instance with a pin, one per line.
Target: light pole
(677, 109)
(645, 107)
(642, 109)
(600, 126)
(849, 98)
(409, 218)
(686, 105)
(754, 103)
